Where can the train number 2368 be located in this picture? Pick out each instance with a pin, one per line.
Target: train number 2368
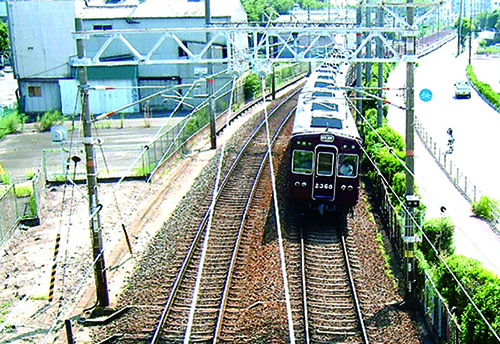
(323, 186)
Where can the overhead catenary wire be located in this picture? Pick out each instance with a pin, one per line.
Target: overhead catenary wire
(145, 149)
(291, 330)
(62, 218)
(495, 334)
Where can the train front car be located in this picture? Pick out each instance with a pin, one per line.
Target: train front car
(325, 152)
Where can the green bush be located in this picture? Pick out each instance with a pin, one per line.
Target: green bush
(439, 231)
(470, 273)
(251, 86)
(484, 89)
(474, 329)
(49, 119)
(5, 178)
(11, 123)
(484, 208)
(197, 121)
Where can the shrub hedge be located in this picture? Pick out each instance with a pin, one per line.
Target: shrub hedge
(480, 283)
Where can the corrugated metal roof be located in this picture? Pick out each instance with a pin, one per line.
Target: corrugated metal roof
(98, 9)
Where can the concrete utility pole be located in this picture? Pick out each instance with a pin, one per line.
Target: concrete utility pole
(210, 80)
(380, 84)
(94, 206)
(359, 66)
(411, 201)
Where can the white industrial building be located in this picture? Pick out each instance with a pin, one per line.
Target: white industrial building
(43, 49)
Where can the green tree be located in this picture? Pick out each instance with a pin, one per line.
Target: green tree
(465, 30)
(4, 39)
(256, 8)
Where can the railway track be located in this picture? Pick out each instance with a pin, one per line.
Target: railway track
(195, 308)
(185, 301)
(331, 310)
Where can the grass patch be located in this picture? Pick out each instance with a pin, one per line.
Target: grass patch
(387, 258)
(4, 309)
(23, 190)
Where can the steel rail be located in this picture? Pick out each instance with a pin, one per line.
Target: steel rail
(218, 327)
(200, 231)
(354, 292)
(304, 290)
(350, 283)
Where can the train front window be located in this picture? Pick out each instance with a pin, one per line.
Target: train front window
(302, 162)
(348, 165)
(325, 164)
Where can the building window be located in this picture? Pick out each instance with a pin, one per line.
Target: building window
(103, 27)
(182, 52)
(34, 91)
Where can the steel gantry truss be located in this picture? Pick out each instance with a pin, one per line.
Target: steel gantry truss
(258, 45)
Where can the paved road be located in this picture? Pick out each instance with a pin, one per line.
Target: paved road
(473, 237)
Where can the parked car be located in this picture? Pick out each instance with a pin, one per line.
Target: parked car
(462, 89)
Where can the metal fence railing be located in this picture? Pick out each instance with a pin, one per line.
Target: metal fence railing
(461, 181)
(438, 316)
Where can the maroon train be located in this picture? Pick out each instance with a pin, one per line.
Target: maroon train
(325, 146)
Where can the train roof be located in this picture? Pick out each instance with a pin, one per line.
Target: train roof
(323, 107)
(324, 114)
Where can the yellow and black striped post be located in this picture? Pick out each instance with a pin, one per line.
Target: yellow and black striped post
(54, 265)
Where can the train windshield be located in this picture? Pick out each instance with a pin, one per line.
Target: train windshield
(302, 162)
(320, 94)
(348, 165)
(325, 107)
(325, 164)
(326, 122)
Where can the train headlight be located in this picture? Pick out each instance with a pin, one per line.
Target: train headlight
(350, 188)
(304, 184)
(327, 138)
(343, 187)
(297, 184)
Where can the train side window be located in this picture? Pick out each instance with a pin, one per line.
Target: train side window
(348, 165)
(325, 164)
(302, 162)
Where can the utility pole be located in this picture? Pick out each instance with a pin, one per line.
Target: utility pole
(459, 28)
(210, 79)
(380, 84)
(94, 206)
(411, 199)
(359, 66)
(470, 33)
